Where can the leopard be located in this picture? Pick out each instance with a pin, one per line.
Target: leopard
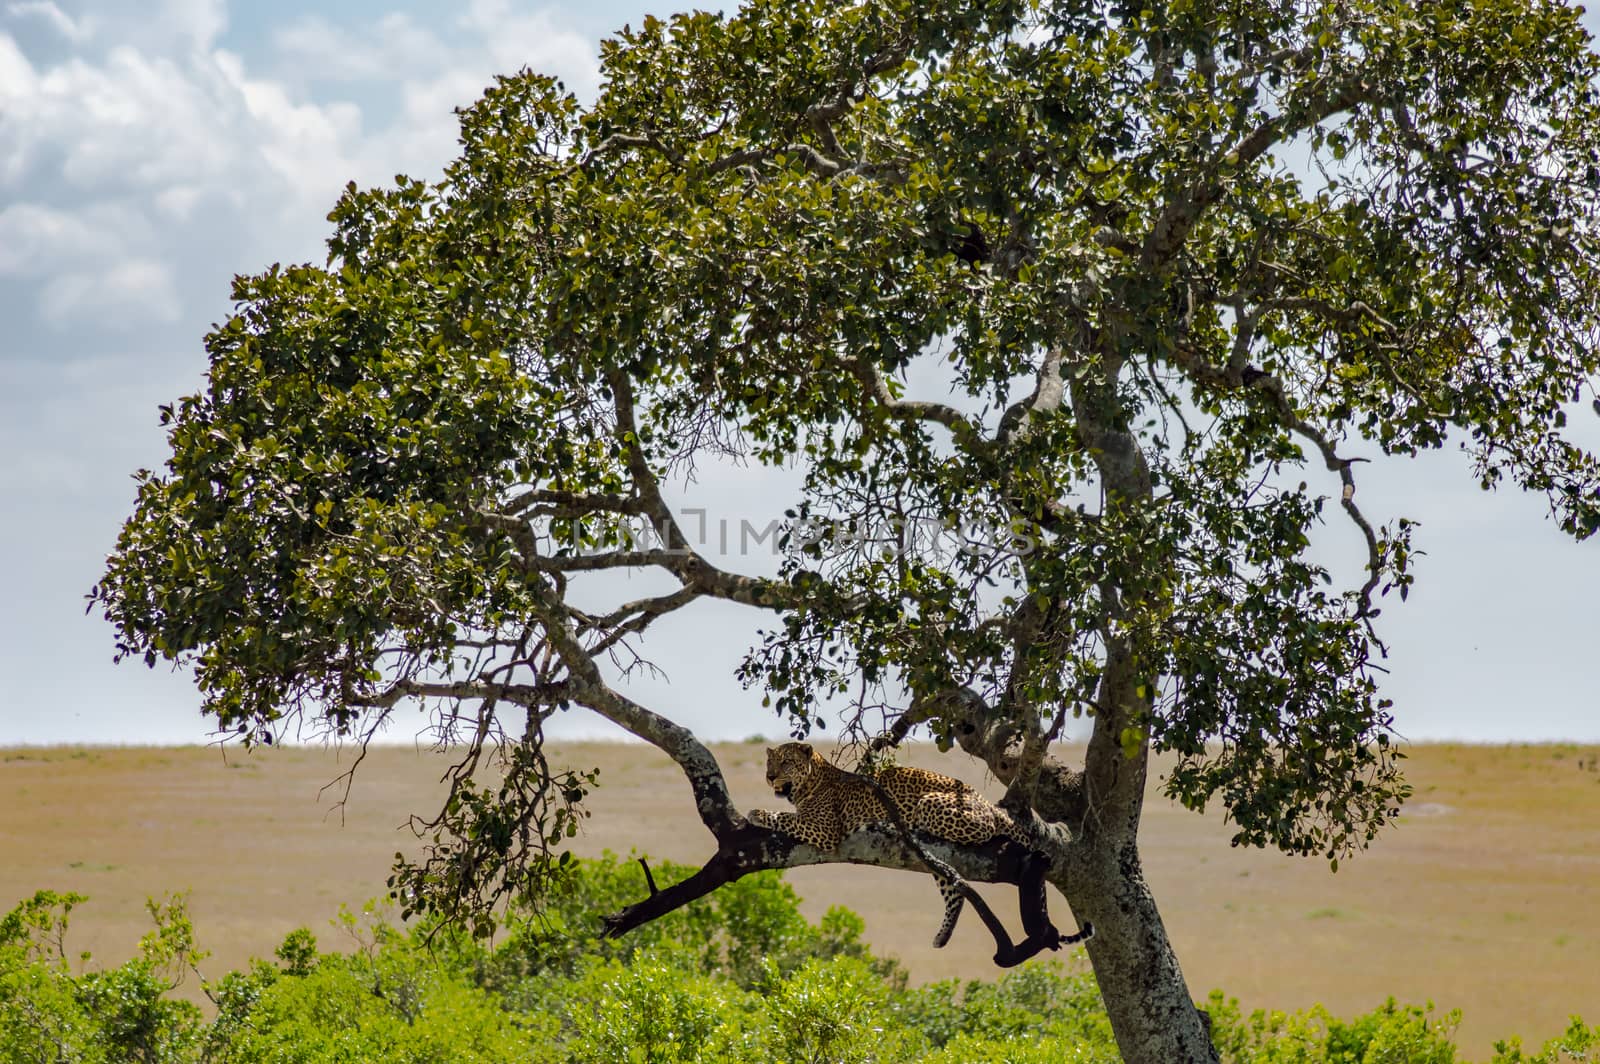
(831, 802)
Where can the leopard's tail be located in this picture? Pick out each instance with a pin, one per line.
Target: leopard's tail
(1085, 933)
(953, 901)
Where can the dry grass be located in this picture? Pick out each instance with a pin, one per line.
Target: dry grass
(1487, 897)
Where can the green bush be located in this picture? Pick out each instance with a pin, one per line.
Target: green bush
(965, 1049)
(652, 1011)
(1025, 1004)
(837, 1010)
(737, 977)
(123, 1014)
(390, 999)
(338, 1013)
(1580, 1043)
(738, 932)
(1391, 1034)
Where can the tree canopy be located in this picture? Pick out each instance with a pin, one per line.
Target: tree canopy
(1169, 261)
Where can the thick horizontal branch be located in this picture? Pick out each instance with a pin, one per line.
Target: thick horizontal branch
(612, 559)
(699, 576)
(750, 849)
(548, 503)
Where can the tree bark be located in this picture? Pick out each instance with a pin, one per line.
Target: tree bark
(1152, 1015)
(1099, 872)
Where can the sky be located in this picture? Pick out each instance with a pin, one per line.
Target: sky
(149, 152)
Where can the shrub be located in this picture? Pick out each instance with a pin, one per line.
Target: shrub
(390, 1000)
(835, 1011)
(654, 1012)
(966, 1049)
(1390, 1034)
(123, 1014)
(737, 977)
(41, 1017)
(1027, 1003)
(736, 932)
(1579, 1043)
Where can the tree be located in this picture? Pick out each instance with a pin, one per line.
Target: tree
(1173, 260)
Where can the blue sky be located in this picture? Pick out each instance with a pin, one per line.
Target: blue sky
(149, 152)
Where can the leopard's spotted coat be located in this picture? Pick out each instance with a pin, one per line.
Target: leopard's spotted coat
(831, 802)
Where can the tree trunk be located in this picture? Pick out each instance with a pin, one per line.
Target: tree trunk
(1152, 1013)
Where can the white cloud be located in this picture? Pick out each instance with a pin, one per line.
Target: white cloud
(445, 67)
(128, 293)
(88, 263)
(494, 37)
(137, 122)
(17, 80)
(515, 40)
(149, 125)
(187, 24)
(110, 156)
(331, 53)
(302, 145)
(35, 238)
(199, 22)
(57, 19)
(178, 202)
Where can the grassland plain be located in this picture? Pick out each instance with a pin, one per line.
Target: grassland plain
(1486, 897)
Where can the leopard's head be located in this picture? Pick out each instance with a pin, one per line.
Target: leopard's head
(788, 766)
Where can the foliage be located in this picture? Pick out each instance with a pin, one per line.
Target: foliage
(121, 1014)
(1392, 1034)
(745, 243)
(1033, 1003)
(402, 1009)
(750, 931)
(652, 1012)
(1579, 1043)
(551, 993)
(1076, 313)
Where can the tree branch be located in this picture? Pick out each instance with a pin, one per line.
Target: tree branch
(1171, 227)
(911, 410)
(634, 617)
(750, 849)
(522, 694)
(691, 567)
(589, 689)
(1247, 377)
(991, 737)
(1048, 394)
(549, 503)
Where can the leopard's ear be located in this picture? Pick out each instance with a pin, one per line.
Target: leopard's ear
(805, 750)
